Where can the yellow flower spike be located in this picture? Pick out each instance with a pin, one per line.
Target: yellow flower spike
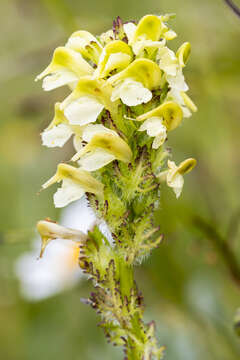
(183, 53)
(186, 166)
(49, 231)
(66, 62)
(149, 27)
(144, 71)
(85, 43)
(188, 102)
(111, 143)
(116, 55)
(170, 112)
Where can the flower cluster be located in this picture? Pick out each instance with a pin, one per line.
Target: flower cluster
(127, 93)
(121, 73)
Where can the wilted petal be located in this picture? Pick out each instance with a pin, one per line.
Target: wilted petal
(56, 136)
(96, 159)
(68, 192)
(84, 110)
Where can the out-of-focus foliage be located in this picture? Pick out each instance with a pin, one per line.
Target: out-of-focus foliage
(187, 283)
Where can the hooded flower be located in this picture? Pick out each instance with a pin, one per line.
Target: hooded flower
(66, 68)
(134, 84)
(86, 44)
(165, 117)
(155, 128)
(86, 102)
(174, 174)
(150, 34)
(58, 270)
(103, 146)
(49, 231)
(116, 55)
(58, 132)
(75, 182)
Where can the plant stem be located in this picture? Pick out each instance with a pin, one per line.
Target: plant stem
(233, 6)
(223, 247)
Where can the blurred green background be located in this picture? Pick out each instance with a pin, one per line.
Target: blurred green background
(192, 282)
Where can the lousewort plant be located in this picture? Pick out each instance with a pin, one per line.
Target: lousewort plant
(127, 94)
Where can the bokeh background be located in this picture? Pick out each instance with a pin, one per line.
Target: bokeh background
(192, 282)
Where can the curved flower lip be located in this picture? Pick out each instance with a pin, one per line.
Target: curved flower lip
(88, 85)
(84, 42)
(186, 166)
(183, 54)
(49, 231)
(170, 112)
(149, 27)
(188, 102)
(65, 58)
(81, 177)
(142, 70)
(109, 142)
(116, 55)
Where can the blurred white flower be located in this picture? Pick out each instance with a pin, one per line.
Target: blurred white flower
(58, 270)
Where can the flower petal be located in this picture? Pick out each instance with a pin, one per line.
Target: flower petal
(167, 61)
(176, 184)
(141, 70)
(183, 53)
(177, 82)
(149, 27)
(56, 136)
(91, 130)
(129, 29)
(131, 93)
(65, 67)
(155, 128)
(116, 55)
(170, 112)
(70, 191)
(58, 79)
(84, 110)
(96, 159)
